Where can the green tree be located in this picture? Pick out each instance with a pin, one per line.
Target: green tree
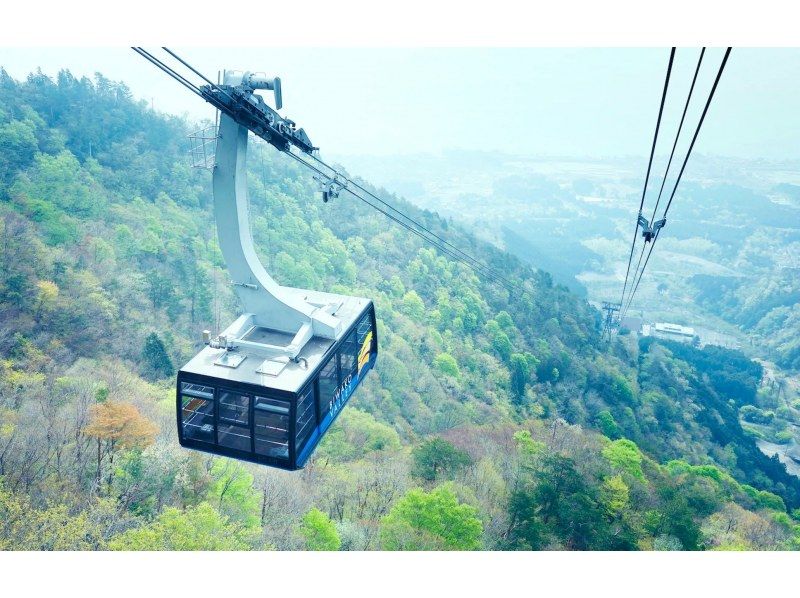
(615, 495)
(156, 359)
(201, 297)
(17, 147)
(505, 321)
(527, 447)
(23, 527)
(46, 297)
(319, 531)
(558, 502)
(436, 457)
(160, 289)
(520, 374)
(607, 424)
(446, 364)
(675, 518)
(472, 313)
(431, 521)
(624, 455)
(396, 286)
(232, 492)
(413, 306)
(526, 530)
(356, 434)
(501, 343)
(196, 528)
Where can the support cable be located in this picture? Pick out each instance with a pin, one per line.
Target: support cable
(435, 239)
(677, 136)
(638, 280)
(198, 73)
(401, 214)
(390, 212)
(697, 130)
(649, 166)
(683, 167)
(169, 71)
(411, 225)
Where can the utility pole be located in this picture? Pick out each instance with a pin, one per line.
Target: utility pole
(611, 320)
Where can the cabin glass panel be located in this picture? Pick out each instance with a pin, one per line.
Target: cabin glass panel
(364, 327)
(271, 427)
(306, 418)
(348, 356)
(233, 429)
(328, 383)
(197, 412)
(365, 340)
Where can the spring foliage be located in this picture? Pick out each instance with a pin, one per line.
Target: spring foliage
(431, 521)
(522, 429)
(319, 531)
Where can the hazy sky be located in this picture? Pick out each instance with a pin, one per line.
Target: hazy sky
(571, 102)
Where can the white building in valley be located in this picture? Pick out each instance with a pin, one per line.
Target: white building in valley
(668, 331)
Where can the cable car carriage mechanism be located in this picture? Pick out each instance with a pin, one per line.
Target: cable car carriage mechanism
(268, 387)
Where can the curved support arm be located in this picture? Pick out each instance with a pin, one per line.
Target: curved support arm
(271, 304)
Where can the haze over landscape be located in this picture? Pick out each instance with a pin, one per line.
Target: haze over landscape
(533, 102)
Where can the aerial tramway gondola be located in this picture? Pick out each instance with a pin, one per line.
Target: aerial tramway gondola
(268, 387)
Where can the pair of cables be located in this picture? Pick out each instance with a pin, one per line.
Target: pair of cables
(329, 173)
(654, 226)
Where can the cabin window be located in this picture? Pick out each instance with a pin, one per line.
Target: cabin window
(271, 427)
(364, 327)
(348, 355)
(233, 428)
(197, 412)
(306, 417)
(365, 340)
(234, 408)
(328, 383)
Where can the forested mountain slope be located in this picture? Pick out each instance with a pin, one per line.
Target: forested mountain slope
(491, 421)
(770, 309)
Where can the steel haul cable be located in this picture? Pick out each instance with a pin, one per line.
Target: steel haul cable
(477, 266)
(397, 216)
(180, 79)
(389, 206)
(649, 166)
(700, 124)
(664, 179)
(677, 135)
(683, 167)
(470, 261)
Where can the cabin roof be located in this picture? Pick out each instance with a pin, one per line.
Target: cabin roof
(292, 376)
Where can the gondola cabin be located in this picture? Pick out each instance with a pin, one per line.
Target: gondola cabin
(268, 387)
(233, 401)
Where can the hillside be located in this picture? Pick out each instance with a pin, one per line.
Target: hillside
(492, 420)
(770, 310)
